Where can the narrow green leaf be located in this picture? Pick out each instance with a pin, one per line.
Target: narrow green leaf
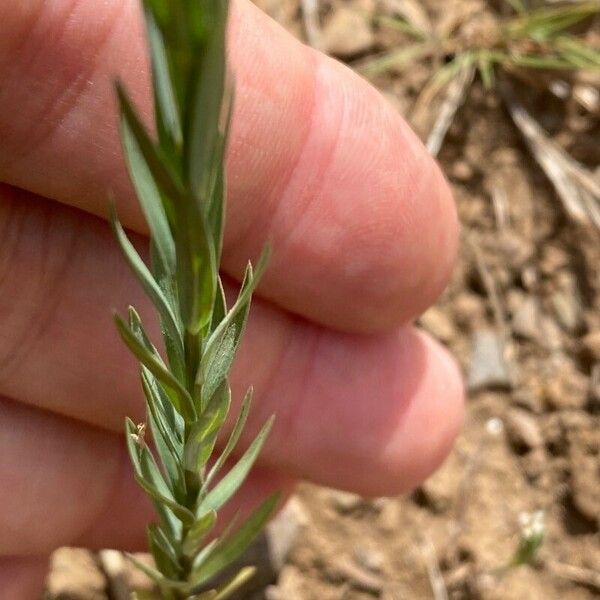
(250, 283)
(578, 52)
(223, 343)
(162, 411)
(149, 198)
(197, 532)
(217, 410)
(171, 188)
(216, 192)
(401, 24)
(149, 477)
(221, 359)
(162, 582)
(205, 105)
(204, 553)
(167, 114)
(147, 569)
(164, 554)
(216, 212)
(235, 583)
(486, 70)
(447, 73)
(152, 361)
(147, 281)
(164, 278)
(176, 393)
(220, 306)
(166, 440)
(233, 439)
(231, 482)
(538, 61)
(396, 59)
(181, 512)
(169, 461)
(174, 422)
(167, 284)
(143, 461)
(543, 23)
(196, 268)
(234, 546)
(161, 9)
(203, 435)
(171, 523)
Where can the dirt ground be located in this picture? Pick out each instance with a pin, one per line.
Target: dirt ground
(528, 281)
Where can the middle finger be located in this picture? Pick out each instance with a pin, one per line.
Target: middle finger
(385, 406)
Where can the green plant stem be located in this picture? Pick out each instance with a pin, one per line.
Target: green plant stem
(192, 352)
(186, 567)
(179, 180)
(193, 344)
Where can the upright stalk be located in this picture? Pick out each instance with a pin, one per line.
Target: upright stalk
(179, 178)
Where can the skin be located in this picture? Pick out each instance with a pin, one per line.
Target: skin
(364, 233)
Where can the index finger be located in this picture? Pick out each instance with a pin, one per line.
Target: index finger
(361, 220)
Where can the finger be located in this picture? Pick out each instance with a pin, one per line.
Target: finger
(361, 220)
(23, 578)
(65, 483)
(373, 413)
(61, 478)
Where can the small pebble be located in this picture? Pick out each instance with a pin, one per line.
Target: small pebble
(568, 311)
(284, 531)
(526, 320)
(461, 170)
(345, 502)
(522, 430)
(488, 366)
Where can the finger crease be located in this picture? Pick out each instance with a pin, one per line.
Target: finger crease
(42, 289)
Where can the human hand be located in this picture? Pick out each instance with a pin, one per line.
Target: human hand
(364, 235)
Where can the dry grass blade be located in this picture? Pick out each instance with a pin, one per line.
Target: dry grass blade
(576, 187)
(587, 96)
(413, 13)
(500, 205)
(442, 78)
(396, 59)
(436, 580)
(586, 91)
(496, 303)
(312, 27)
(547, 22)
(456, 93)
